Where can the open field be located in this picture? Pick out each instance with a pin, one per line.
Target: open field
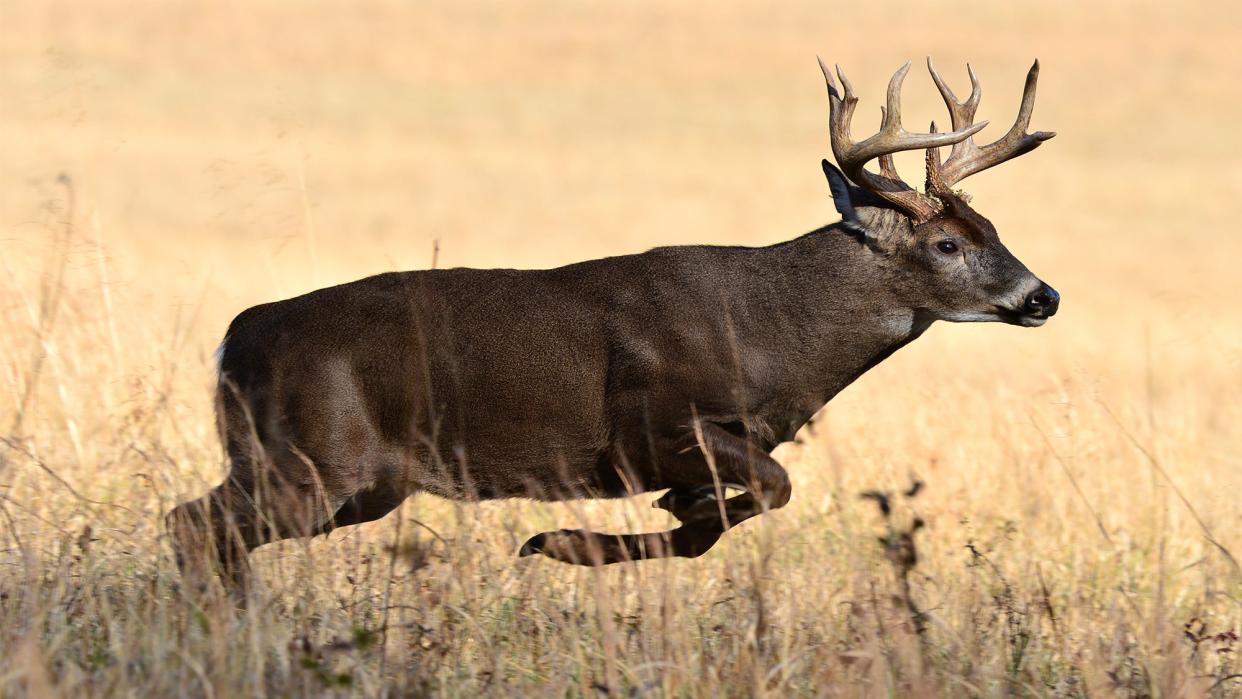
(1084, 480)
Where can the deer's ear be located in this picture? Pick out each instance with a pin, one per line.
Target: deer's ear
(840, 188)
(841, 198)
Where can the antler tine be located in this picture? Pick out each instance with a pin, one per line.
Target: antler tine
(853, 156)
(961, 113)
(840, 107)
(845, 83)
(932, 160)
(966, 158)
(888, 168)
(1018, 130)
(891, 117)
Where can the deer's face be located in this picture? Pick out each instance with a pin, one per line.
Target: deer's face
(960, 271)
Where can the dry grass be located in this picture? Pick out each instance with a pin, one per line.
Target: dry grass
(223, 154)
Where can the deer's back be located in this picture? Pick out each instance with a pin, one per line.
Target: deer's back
(530, 376)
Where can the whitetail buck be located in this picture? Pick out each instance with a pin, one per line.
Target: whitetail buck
(680, 368)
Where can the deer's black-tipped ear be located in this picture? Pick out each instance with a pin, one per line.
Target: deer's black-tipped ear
(840, 192)
(845, 204)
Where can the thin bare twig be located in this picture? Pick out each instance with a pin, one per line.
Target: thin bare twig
(1099, 523)
(16, 446)
(1226, 678)
(1155, 464)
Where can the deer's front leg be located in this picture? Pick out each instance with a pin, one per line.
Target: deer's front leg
(692, 499)
(695, 492)
(691, 504)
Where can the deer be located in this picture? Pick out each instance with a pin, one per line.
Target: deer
(679, 369)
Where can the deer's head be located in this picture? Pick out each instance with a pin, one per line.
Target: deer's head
(940, 256)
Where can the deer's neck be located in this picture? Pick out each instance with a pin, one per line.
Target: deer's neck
(843, 312)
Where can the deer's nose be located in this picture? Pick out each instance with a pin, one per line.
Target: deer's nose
(1042, 302)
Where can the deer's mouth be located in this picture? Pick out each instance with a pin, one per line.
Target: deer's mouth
(1020, 317)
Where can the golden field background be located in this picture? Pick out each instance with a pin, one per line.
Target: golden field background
(225, 154)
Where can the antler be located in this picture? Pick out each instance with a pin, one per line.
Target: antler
(966, 158)
(891, 138)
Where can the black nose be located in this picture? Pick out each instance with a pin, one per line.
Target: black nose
(1043, 302)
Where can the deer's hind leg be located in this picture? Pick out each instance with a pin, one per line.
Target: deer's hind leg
(215, 534)
(299, 455)
(693, 500)
(366, 506)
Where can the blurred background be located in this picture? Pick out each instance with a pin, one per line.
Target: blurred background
(223, 154)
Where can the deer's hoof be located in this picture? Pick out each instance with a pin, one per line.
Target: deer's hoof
(690, 505)
(550, 544)
(533, 545)
(565, 545)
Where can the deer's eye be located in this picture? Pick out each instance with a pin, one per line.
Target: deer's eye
(947, 247)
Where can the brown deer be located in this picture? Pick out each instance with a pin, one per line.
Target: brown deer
(680, 368)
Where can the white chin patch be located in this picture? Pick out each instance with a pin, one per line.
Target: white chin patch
(985, 317)
(972, 317)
